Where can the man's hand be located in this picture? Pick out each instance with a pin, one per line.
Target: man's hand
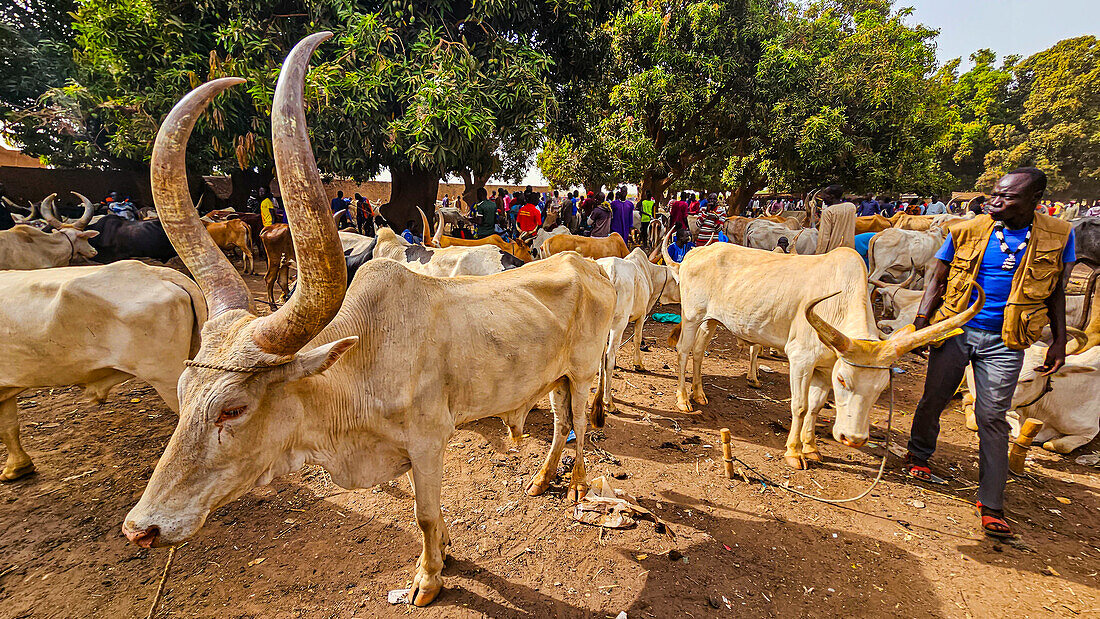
(1055, 359)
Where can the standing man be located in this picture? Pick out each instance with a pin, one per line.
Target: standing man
(936, 208)
(711, 221)
(485, 214)
(622, 215)
(868, 207)
(647, 207)
(677, 213)
(267, 207)
(338, 203)
(1022, 260)
(838, 221)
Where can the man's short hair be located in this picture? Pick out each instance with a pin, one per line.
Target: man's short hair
(482, 194)
(1037, 179)
(834, 190)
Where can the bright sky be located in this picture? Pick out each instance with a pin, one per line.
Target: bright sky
(1004, 26)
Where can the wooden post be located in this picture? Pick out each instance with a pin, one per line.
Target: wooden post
(727, 451)
(1017, 451)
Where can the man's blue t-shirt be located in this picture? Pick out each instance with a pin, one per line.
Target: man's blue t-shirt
(863, 242)
(995, 281)
(677, 252)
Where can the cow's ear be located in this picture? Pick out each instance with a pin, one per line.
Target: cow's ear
(88, 234)
(319, 359)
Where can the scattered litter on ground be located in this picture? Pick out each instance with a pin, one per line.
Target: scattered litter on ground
(611, 508)
(399, 596)
(1092, 459)
(673, 318)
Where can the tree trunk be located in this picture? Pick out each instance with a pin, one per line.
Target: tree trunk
(472, 183)
(741, 196)
(656, 182)
(410, 187)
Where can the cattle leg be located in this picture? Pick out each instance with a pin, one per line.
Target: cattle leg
(754, 366)
(578, 485)
(819, 392)
(702, 340)
(800, 386)
(688, 332)
(607, 369)
(638, 367)
(560, 405)
(1066, 444)
(19, 463)
(426, 477)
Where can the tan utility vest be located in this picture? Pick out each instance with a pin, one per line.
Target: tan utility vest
(1035, 279)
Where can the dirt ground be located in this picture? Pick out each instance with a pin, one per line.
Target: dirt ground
(302, 547)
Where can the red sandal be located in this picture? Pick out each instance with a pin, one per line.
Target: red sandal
(993, 522)
(916, 469)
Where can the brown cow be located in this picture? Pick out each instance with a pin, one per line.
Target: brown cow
(254, 221)
(872, 223)
(612, 246)
(735, 228)
(279, 248)
(233, 233)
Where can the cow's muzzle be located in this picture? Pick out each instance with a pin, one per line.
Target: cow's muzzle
(146, 538)
(853, 441)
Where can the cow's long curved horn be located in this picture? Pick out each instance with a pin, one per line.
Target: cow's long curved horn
(669, 262)
(426, 228)
(912, 275)
(220, 283)
(322, 273)
(89, 210)
(828, 333)
(1092, 326)
(18, 210)
(916, 339)
(1080, 337)
(47, 212)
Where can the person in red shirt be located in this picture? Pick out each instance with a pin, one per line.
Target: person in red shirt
(529, 218)
(677, 216)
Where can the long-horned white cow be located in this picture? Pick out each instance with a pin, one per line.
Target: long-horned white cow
(93, 326)
(894, 251)
(816, 309)
(368, 384)
(765, 234)
(639, 285)
(23, 247)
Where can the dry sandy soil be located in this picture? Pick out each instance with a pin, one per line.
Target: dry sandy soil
(302, 547)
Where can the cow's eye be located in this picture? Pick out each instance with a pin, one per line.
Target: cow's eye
(231, 413)
(840, 379)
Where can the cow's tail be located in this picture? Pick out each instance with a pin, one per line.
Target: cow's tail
(597, 416)
(674, 336)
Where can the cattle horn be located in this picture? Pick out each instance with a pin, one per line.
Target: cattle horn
(912, 275)
(89, 210)
(221, 284)
(1080, 337)
(322, 273)
(19, 209)
(47, 212)
(426, 229)
(669, 262)
(908, 341)
(827, 332)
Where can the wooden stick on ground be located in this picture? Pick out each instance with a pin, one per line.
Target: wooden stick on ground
(727, 452)
(163, 582)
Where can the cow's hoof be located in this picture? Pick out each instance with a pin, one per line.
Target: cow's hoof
(795, 462)
(683, 404)
(16, 472)
(755, 384)
(425, 588)
(971, 419)
(537, 486)
(812, 456)
(576, 493)
(699, 398)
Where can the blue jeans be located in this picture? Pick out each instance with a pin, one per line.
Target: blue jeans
(996, 370)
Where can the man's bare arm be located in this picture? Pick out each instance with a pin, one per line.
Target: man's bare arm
(934, 289)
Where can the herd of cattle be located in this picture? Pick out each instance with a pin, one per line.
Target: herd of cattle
(384, 347)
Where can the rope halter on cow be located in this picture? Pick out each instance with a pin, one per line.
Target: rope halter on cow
(234, 368)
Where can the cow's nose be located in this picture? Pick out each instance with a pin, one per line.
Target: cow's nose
(144, 537)
(853, 441)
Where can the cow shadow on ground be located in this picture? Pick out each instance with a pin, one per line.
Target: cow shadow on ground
(749, 563)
